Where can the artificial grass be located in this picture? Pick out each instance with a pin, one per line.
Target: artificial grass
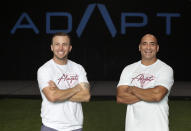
(180, 115)
(24, 115)
(19, 115)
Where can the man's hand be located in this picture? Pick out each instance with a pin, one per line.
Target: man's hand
(52, 85)
(129, 89)
(125, 95)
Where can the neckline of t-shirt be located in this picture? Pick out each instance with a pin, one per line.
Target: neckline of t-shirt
(149, 65)
(59, 64)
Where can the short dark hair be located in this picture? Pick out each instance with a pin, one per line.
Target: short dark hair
(150, 35)
(60, 34)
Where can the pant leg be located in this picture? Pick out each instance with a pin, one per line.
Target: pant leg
(78, 129)
(45, 128)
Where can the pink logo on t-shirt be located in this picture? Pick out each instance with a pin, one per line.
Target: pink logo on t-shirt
(68, 78)
(143, 79)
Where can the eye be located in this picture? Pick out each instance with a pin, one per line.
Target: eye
(153, 43)
(65, 44)
(144, 43)
(56, 43)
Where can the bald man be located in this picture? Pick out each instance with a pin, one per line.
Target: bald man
(145, 86)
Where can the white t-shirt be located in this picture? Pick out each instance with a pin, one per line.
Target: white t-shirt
(67, 115)
(147, 116)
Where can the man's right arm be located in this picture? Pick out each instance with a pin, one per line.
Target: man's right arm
(53, 94)
(125, 96)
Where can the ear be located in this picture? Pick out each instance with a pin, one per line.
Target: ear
(51, 47)
(157, 48)
(70, 48)
(139, 47)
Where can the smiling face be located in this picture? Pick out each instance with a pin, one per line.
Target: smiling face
(61, 47)
(148, 48)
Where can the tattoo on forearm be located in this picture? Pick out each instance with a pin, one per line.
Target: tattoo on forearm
(86, 85)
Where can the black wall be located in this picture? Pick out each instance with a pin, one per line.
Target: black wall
(104, 56)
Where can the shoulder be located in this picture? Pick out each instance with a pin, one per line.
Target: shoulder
(164, 66)
(46, 66)
(74, 64)
(132, 66)
(78, 68)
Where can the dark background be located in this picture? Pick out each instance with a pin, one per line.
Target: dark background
(102, 55)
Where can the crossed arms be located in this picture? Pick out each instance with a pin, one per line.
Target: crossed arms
(125, 94)
(132, 94)
(79, 93)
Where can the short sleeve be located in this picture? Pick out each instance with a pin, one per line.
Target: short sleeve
(124, 78)
(43, 77)
(165, 78)
(82, 75)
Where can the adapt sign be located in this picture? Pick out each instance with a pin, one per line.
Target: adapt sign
(86, 17)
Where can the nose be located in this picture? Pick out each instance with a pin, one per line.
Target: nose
(61, 47)
(148, 46)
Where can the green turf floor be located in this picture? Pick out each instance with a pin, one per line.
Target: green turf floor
(24, 115)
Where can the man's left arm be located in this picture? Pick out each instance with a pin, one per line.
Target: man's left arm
(155, 94)
(164, 82)
(83, 95)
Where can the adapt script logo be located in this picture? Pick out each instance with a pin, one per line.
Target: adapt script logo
(85, 18)
(143, 79)
(68, 78)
